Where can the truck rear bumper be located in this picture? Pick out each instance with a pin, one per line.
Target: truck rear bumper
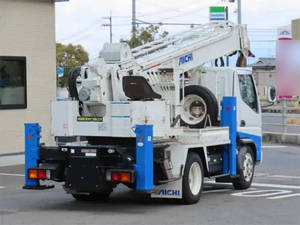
(86, 168)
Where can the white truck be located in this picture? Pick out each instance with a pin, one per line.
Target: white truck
(155, 119)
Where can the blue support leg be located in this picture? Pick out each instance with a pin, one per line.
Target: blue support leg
(32, 151)
(144, 157)
(225, 155)
(229, 118)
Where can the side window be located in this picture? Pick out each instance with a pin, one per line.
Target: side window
(247, 91)
(13, 82)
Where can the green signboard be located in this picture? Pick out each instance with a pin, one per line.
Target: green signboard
(217, 13)
(217, 9)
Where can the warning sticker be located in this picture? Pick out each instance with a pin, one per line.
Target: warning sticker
(89, 119)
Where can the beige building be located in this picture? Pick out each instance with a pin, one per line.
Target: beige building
(296, 29)
(27, 69)
(264, 72)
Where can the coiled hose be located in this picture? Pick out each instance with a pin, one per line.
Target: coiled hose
(73, 75)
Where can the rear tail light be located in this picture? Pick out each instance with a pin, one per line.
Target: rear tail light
(37, 174)
(115, 176)
(120, 176)
(42, 174)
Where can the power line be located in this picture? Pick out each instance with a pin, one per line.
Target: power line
(84, 37)
(161, 23)
(160, 6)
(184, 13)
(93, 25)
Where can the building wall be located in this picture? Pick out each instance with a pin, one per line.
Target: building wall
(28, 29)
(296, 29)
(264, 79)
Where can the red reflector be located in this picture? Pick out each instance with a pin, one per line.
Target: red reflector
(227, 108)
(42, 174)
(115, 176)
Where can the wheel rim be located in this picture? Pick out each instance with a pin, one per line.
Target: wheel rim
(195, 178)
(248, 167)
(193, 110)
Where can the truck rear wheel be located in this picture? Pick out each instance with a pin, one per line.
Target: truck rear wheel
(192, 181)
(92, 196)
(198, 103)
(245, 168)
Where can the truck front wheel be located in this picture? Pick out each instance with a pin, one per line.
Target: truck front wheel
(192, 182)
(245, 168)
(92, 196)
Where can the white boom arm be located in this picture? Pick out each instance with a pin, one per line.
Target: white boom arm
(205, 43)
(183, 52)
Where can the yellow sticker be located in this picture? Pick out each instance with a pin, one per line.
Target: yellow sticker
(89, 119)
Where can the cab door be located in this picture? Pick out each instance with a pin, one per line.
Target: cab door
(248, 106)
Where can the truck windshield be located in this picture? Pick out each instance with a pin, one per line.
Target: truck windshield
(247, 91)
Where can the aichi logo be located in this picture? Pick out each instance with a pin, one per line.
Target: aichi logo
(185, 59)
(169, 192)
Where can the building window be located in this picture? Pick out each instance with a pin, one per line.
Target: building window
(13, 82)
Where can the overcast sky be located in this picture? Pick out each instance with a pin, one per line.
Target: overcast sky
(80, 21)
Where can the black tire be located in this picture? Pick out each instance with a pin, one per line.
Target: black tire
(211, 102)
(92, 197)
(243, 182)
(187, 196)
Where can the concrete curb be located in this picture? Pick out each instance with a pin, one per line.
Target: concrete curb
(281, 138)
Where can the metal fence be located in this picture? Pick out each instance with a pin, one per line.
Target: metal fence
(277, 122)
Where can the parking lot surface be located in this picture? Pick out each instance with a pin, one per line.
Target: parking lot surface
(274, 198)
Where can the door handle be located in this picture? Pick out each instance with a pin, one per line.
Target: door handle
(243, 123)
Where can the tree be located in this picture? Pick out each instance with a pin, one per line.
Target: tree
(69, 56)
(144, 35)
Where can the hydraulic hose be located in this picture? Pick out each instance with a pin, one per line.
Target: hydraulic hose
(73, 75)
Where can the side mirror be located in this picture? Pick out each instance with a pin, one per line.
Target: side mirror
(272, 94)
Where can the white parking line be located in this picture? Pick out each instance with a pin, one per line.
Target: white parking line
(223, 190)
(261, 193)
(12, 174)
(257, 174)
(275, 186)
(285, 176)
(262, 185)
(216, 191)
(273, 146)
(285, 196)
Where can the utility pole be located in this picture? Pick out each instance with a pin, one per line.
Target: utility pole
(239, 12)
(109, 25)
(133, 17)
(227, 18)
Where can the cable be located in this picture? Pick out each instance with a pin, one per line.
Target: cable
(80, 32)
(187, 13)
(160, 5)
(86, 36)
(143, 22)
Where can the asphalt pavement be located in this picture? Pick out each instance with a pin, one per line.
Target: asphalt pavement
(274, 198)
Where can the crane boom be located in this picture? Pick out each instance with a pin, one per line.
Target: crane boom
(205, 42)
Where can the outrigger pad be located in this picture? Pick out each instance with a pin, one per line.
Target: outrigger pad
(39, 187)
(137, 88)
